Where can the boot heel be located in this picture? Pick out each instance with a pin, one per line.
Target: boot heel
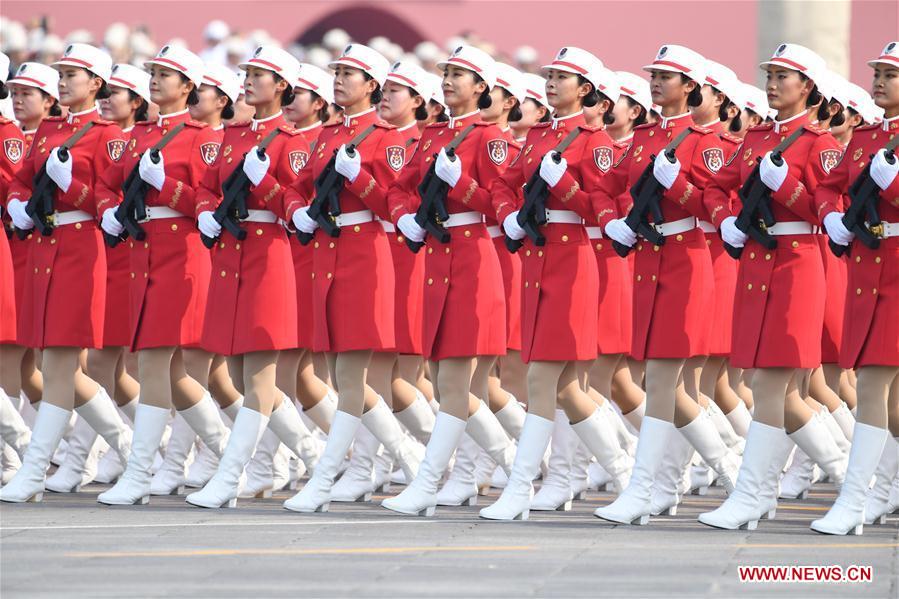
(484, 491)
(385, 488)
(642, 520)
(36, 498)
(881, 520)
(143, 500)
(232, 503)
(769, 515)
(364, 498)
(669, 511)
(703, 490)
(178, 490)
(323, 508)
(565, 507)
(264, 494)
(293, 485)
(751, 525)
(580, 496)
(428, 512)
(857, 530)
(76, 489)
(803, 495)
(523, 515)
(473, 501)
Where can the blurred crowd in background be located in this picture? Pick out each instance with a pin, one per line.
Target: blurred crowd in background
(41, 40)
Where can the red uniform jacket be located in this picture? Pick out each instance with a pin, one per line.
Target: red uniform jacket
(163, 310)
(353, 280)
(64, 297)
(10, 162)
(671, 281)
(561, 284)
(252, 294)
(779, 304)
(464, 309)
(870, 327)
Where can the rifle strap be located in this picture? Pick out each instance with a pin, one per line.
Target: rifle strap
(167, 137)
(268, 139)
(361, 137)
(459, 138)
(892, 144)
(67, 144)
(568, 140)
(410, 141)
(677, 141)
(782, 146)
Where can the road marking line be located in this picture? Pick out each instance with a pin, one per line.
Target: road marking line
(347, 551)
(818, 546)
(264, 523)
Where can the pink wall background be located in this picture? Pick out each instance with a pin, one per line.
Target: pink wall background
(625, 35)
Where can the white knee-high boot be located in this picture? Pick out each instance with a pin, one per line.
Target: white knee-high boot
(133, 487)
(28, 483)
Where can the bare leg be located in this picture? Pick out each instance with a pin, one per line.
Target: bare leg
(663, 379)
(61, 364)
(259, 380)
(453, 378)
(186, 390)
(126, 386)
(32, 380)
(155, 374)
(11, 357)
(310, 388)
(769, 388)
(513, 375)
(221, 385)
(348, 371)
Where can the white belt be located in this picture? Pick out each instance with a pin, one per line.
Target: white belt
(494, 231)
(889, 230)
(460, 219)
(388, 226)
(679, 226)
(260, 216)
(707, 227)
(594, 232)
(566, 217)
(794, 228)
(69, 217)
(157, 212)
(354, 218)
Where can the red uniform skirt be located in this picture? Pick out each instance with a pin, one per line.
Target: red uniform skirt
(510, 265)
(464, 307)
(8, 332)
(21, 256)
(672, 283)
(353, 290)
(302, 267)
(559, 296)
(724, 269)
(834, 303)
(871, 321)
(252, 293)
(409, 272)
(169, 283)
(116, 321)
(616, 292)
(779, 305)
(64, 298)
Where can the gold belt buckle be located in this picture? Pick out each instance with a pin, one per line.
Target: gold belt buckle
(877, 230)
(51, 218)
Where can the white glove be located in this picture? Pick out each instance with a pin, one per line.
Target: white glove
(303, 222)
(731, 234)
(207, 225)
(882, 171)
(60, 172)
(347, 165)
(773, 176)
(550, 171)
(151, 172)
(255, 168)
(511, 227)
(836, 230)
(620, 232)
(110, 223)
(448, 170)
(410, 228)
(20, 218)
(665, 171)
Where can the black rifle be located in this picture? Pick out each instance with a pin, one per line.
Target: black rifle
(532, 215)
(862, 218)
(133, 209)
(40, 204)
(432, 190)
(233, 207)
(646, 193)
(755, 216)
(328, 185)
